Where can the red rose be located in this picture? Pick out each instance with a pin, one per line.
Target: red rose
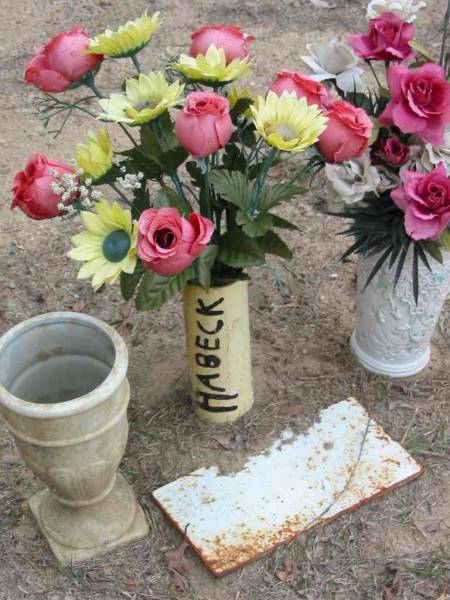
(395, 152)
(61, 62)
(388, 39)
(32, 188)
(303, 86)
(204, 125)
(347, 132)
(229, 37)
(168, 243)
(420, 102)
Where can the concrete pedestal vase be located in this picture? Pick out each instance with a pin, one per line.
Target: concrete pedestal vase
(218, 350)
(393, 333)
(64, 396)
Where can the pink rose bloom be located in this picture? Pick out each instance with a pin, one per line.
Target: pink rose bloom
(395, 152)
(303, 86)
(347, 132)
(425, 200)
(388, 39)
(61, 62)
(204, 125)
(168, 243)
(420, 102)
(229, 37)
(32, 187)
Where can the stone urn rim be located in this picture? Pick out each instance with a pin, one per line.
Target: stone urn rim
(76, 405)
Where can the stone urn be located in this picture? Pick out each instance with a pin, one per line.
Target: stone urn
(219, 350)
(393, 334)
(64, 396)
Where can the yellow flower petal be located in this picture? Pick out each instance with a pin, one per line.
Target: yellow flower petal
(212, 66)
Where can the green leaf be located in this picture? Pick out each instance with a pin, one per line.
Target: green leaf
(233, 186)
(378, 265)
(204, 264)
(240, 107)
(141, 201)
(254, 227)
(130, 281)
(195, 172)
(167, 197)
(283, 223)
(415, 273)
(444, 239)
(239, 250)
(140, 161)
(155, 289)
(421, 50)
(271, 243)
(281, 192)
(162, 147)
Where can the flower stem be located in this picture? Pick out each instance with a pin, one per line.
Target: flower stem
(262, 180)
(374, 73)
(136, 62)
(176, 181)
(120, 194)
(444, 35)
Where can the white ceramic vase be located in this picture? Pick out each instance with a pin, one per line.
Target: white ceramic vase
(393, 333)
(218, 350)
(64, 396)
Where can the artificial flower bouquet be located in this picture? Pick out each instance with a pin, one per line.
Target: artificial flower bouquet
(190, 197)
(386, 152)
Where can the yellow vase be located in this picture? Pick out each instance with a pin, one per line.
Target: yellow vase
(218, 350)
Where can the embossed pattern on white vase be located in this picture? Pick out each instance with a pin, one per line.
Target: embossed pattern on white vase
(393, 333)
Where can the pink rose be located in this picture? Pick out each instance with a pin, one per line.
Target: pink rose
(229, 37)
(395, 152)
(32, 188)
(388, 39)
(425, 200)
(168, 243)
(420, 102)
(204, 125)
(61, 62)
(347, 132)
(303, 86)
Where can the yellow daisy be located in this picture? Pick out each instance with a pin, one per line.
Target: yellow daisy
(286, 122)
(108, 246)
(128, 40)
(240, 94)
(212, 66)
(95, 157)
(145, 99)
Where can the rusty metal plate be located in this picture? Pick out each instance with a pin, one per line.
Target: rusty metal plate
(344, 460)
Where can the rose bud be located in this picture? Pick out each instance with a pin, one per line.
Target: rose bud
(61, 62)
(204, 124)
(32, 188)
(229, 37)
(303, 86)
(347, 132)
(168, 243)
(388, 39)
(395, 152)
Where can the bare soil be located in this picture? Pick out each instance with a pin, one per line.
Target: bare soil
(302, 314)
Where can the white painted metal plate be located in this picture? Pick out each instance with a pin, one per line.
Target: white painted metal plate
(344, 460)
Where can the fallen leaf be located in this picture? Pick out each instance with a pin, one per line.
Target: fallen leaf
(79, 305)
(176, 560)
(282, 575)
(276, 171)
(291, 410)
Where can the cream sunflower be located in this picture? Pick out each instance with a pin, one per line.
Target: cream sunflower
(212, 66)
(128, 40)
(145, 99)
(95, 156)
(286, 122)
(108, 246)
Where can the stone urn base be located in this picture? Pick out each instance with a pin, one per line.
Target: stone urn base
(75, 535)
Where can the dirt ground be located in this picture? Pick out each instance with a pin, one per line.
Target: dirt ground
(302, 314)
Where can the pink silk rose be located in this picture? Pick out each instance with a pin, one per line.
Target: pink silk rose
(395, 152)
(347, 132)
(32, 187)
(168, 243)
(228, 37)
(204, 124)
(302, 85)
(388, 39)
(425, 200)
(61, 62)
(420, 102)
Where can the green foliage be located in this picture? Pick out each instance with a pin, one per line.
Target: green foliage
(204, 264)
(141, 201)
(280, 192)
(130, 281)
(234, 187)
(271, 243)
(283, 223)
(167, 197)
(236, 249)
(160, 145)
(155, 289)
(240, 107)
(254, 227)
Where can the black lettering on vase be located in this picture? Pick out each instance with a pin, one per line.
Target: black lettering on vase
(211, 361)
